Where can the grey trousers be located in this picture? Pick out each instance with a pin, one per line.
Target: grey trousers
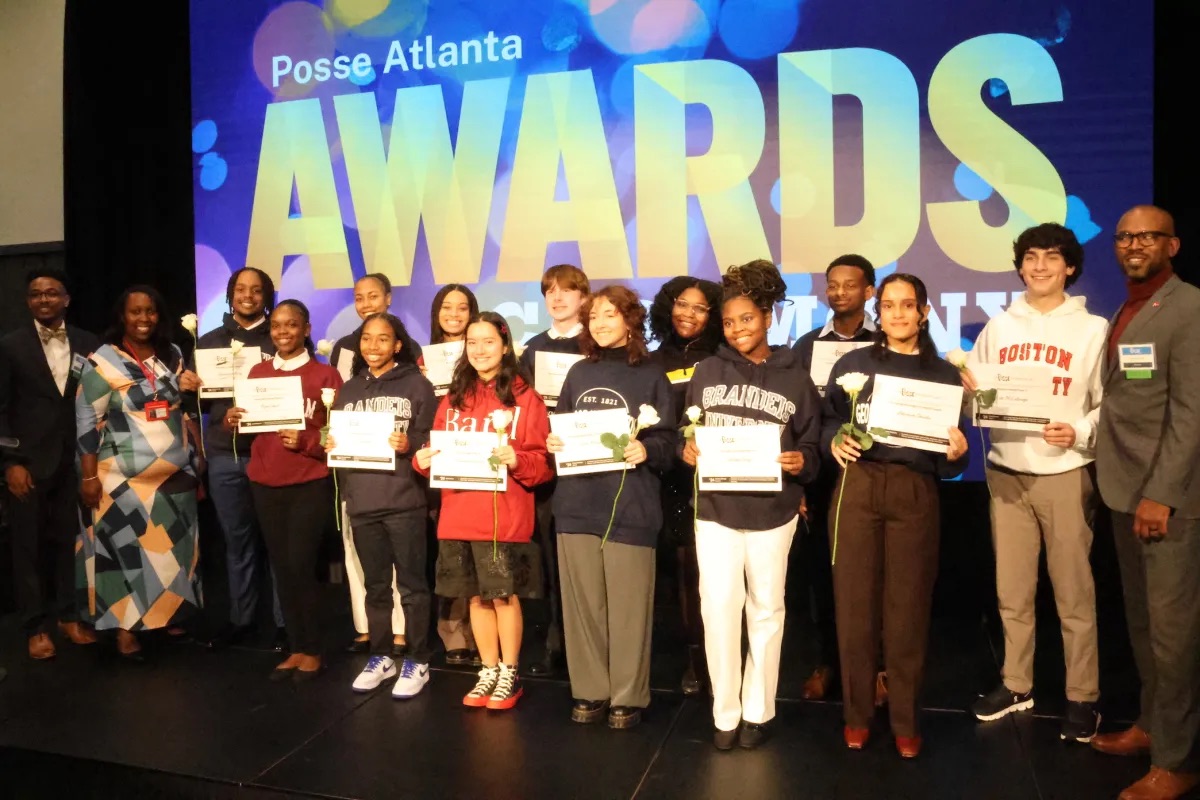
(1161, 581)
(608, 611)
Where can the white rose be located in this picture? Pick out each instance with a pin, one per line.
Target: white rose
(189, 323)
(235, 347)
(693, 414)
(327, 394)
(324, 348)
(957, 357)
(853, 382)
(501, 419)
(647, 416)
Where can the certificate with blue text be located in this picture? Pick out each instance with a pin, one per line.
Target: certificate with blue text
(738, 458)
(460, 461)
(912, 413)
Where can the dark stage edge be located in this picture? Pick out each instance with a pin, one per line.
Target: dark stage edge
(193, 724)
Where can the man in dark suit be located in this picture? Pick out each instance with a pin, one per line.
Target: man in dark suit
(1147, 447)
(39, 371)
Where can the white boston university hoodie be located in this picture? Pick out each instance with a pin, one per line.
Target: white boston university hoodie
(1071, 342)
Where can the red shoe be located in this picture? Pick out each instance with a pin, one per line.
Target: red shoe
(508, 689)
(908, 746)
(479, 696)
(856, 738)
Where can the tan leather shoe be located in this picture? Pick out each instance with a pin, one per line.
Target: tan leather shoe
(1161, 784)
(1129, 742)
(78, 634)
(40, 647)
(817, 685)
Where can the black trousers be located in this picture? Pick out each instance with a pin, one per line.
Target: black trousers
(293, 521)
(395, 542)
(544, 536)
(43, 527)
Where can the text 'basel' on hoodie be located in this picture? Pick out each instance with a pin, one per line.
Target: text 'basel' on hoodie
(1069, 342)
(732, 390)
(406, 393)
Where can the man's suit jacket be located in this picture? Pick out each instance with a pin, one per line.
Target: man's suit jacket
(31, 407)
(1148, 441)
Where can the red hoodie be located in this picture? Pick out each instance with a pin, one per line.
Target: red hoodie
(272, 464)
(467, 515)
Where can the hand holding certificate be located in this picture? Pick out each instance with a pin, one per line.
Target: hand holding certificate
(463, 460)
(910, 413)
(361, 440)
(439, 364)
(584, 449)
(824, 355)
(1015, 396)
(269, 404)
(219, 367)
(550, 370)
(738, 458)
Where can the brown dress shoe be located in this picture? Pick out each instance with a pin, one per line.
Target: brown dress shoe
(78, 634)
(1161, 784)
(817, 685)
(1129, 742)
(41, 648)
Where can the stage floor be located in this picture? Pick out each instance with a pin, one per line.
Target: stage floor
(191, 723)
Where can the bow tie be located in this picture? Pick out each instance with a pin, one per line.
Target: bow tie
(59, 333)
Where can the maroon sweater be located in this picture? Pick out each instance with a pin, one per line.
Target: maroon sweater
(272, 464)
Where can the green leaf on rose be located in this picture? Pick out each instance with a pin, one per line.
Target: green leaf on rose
(986, 398)
(608, 440)
(494, 463)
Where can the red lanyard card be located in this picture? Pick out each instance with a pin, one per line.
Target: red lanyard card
(157, 410)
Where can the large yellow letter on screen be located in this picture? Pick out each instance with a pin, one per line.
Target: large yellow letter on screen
(561, 120)
(891, 157)
(423, 176)
(720, 178)
(295, 150)
(999, 155)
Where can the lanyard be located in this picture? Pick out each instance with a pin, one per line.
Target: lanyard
(146, 371)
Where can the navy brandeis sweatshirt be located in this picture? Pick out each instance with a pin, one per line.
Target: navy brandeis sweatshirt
(871, 362)
(732, 390)
(405, 392)
(216, 437)
(584, 503)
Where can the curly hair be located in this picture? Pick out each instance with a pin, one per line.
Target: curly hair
(406, 354)
(630, 307)
(1051, 236)
(268, 288)
(662, 328)
(757, 280)
(466, 380)
(436, 334)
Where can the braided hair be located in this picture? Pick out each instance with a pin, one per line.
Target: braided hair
(757, 280)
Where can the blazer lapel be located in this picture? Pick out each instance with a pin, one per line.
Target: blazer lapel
(41, 367)
(1145, 315)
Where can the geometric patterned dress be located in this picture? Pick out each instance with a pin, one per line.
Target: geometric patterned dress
(136, 560)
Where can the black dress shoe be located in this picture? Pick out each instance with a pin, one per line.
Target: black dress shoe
(546, 666)
(358, 646)
(229, 636)
(306, 675)
(724, 740)
(280, 643)
(753, 734)
(399, 651)
(623, 717)
(588, 711)
(476, 661)
(458, 658)
(690, 683)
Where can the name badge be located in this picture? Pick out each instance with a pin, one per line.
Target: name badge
(157, 410)
(1137, 361)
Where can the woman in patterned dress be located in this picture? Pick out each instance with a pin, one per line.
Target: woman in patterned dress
(139, 547)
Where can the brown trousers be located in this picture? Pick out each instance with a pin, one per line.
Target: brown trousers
(885, 566)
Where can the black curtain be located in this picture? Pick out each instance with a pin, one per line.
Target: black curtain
(127, 159)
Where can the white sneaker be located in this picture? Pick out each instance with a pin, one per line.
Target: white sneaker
(412, 680)
(378, 670)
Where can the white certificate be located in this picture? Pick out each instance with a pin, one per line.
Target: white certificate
(825, 355)
(588, 440)
(462, 461)
(218, 368)
(549, 372)
(738, 458)
(361, 439)
(910, 413)
(440, 360)
(271, 404)
(1024, 396)
(345, 363)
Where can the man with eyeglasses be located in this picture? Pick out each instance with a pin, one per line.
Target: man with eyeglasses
(1147, 448)
(40, 363)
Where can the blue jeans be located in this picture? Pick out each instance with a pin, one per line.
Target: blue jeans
(230, 490)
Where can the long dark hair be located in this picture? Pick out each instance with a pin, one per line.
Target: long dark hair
(405, 356)
(466, 380)
(436, 334)
(662, 328)
(629, 306)
(925, 344)
(268, 287)
(160, 337)
(302, 310)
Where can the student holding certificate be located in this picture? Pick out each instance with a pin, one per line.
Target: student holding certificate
(884, 515)
(484, 550)
(743, 537)
(1041, 482)
(387, 508)
(291, 488)
(608, 522)
(564, 287)
(686, 321)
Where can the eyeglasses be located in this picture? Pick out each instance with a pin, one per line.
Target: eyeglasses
(1146, 238)
(684, 307)
(49, 294)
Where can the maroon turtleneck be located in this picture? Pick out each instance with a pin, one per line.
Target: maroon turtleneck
(1139, 293)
